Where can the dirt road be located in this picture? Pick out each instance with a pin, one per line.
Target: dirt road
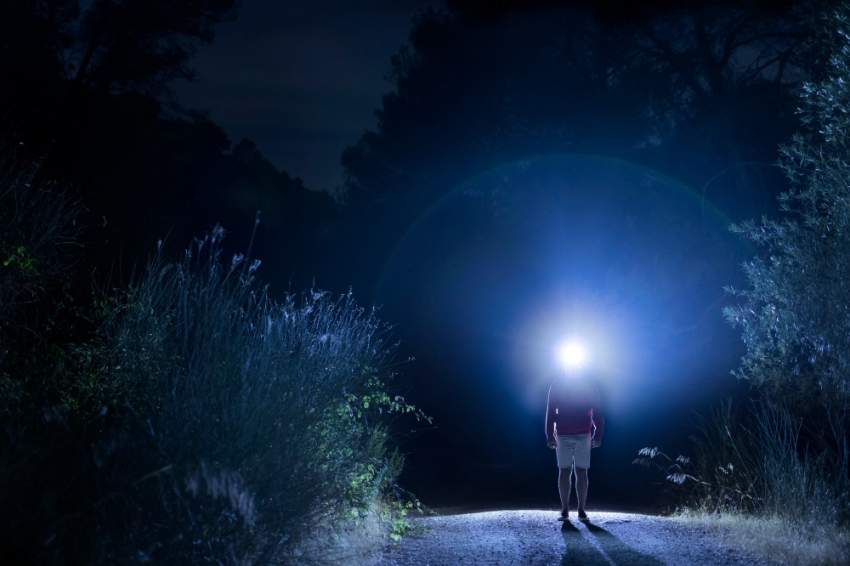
(536, 538)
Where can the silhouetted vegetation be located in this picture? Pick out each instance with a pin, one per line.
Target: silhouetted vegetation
(788, 458)
(192, 417)
(89, 90)
(184, 416)
(702, 91)
(38, 231)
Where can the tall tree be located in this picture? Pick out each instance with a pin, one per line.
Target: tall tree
(142, 45)
(795, 314)
(483, 83)
(701, 91)
(34, 34)
(90, 88)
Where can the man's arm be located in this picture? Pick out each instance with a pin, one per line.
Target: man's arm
(550, 419)
(598, 419)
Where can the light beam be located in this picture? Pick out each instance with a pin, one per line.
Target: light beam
(572, 355)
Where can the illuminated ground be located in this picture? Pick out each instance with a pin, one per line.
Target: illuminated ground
(535, 537)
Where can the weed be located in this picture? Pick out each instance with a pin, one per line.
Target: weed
(273, 411)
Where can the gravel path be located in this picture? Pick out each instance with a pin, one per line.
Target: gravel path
(536, 537)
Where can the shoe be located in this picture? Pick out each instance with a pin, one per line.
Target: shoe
(582, 516)
(564, 516)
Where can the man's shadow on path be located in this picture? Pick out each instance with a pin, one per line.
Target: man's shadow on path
(580, 551)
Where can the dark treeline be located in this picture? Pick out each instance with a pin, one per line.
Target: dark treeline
(89, 91)
(783, 459)
(156, 405)
(701, 91)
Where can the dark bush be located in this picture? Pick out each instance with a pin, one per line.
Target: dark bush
(37, 234)
(187, 417)
(248, 423)
(793, 315)
(44, 394)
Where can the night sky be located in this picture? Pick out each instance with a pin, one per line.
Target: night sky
(301, 79)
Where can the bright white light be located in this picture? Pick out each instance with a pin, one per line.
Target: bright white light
(572, 354)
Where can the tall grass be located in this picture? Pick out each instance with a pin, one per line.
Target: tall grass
(41, 467)
(38, 232)
(186, 417)
(777, 487)
(249, 422)
(717, 477)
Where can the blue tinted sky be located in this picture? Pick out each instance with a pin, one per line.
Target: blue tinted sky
(302, 79)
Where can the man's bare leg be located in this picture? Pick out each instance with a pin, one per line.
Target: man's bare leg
(581, 487)
(564, 488)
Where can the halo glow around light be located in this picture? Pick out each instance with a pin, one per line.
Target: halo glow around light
(572, 355)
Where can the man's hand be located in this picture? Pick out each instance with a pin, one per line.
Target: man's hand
(596, 442)
(550, 443)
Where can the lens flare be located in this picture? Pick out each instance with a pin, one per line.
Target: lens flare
(572, 354)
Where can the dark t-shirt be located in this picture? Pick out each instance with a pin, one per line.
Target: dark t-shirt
(573, 408)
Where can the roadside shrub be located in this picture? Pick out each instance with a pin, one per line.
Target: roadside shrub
(248, 423)
(788, 463)
(760, 468)
(762, 485)
(38, 232)
(794, 311)
(186, 417)
(802, 486)
(44, 476)
(718, 477)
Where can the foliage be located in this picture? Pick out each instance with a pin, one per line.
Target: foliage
(685, 89)
(760, 469)
(87, 86)
(45, 392)
(794, 319)
(37, 231)
(246, 420)
(142, 45)
(105, 45)
(717, 478)
(186, 416)
(501, 81)
(795, 313)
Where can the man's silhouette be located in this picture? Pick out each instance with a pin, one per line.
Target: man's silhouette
(574, 424)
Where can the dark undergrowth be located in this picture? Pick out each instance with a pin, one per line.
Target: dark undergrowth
(779, 472)
(186, 417)
(780, 488)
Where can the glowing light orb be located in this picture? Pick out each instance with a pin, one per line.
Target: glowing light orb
(572, 355)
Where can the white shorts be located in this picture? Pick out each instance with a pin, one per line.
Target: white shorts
(573, 447)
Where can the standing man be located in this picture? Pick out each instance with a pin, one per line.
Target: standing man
(574, 424)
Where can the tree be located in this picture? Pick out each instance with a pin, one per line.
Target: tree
(33, 36)
(662, 83)
(485, 84)
(52, 52)
(142, 45)
(795, 314)
(89, 90)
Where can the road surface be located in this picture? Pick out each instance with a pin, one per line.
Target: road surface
(531, 538)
